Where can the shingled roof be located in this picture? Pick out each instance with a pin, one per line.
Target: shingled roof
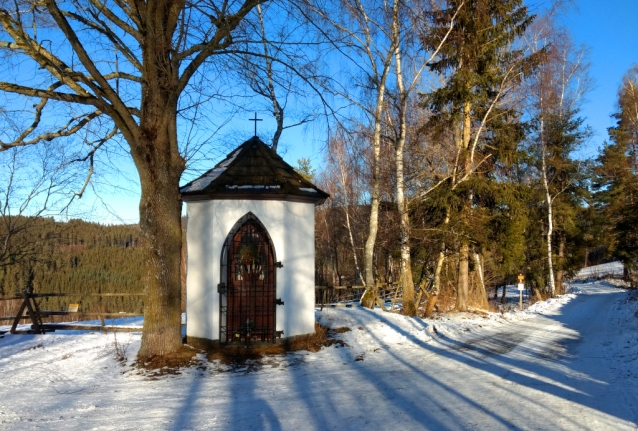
(253, 171)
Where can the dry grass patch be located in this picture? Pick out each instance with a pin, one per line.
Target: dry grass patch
(240, 354)
(237, 356)
(168, 364)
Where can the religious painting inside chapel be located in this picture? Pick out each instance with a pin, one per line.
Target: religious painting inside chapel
(248, 303)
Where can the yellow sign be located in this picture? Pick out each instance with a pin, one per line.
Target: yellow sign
(521, 277)
(73, 308)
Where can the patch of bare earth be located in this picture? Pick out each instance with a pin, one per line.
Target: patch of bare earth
(239, 357)
(252, 357)
(168, 364)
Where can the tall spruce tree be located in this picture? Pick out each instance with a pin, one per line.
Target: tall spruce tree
(483, 66)
(616, 179)
(562, 186)
(555, 94)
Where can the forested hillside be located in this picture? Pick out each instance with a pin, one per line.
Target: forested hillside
(76, 257)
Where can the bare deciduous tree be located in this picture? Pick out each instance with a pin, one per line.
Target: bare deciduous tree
(34, 183)
(362, 34)
(409, 64)
(124, 64)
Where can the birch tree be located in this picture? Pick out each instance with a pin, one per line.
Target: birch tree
(556, 92)
(409, 65)
(362, 35)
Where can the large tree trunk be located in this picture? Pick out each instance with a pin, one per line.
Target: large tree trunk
(160, 166)
(160, 210)
(462, 288)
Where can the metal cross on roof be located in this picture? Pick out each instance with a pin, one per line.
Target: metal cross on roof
(255, 120)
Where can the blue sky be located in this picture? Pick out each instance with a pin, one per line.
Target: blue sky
(608, 28)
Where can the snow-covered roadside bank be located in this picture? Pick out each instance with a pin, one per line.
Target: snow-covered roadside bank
(568, 363)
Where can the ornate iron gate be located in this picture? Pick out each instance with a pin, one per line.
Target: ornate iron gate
(247, 292)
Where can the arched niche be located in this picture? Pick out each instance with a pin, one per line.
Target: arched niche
(248, 289)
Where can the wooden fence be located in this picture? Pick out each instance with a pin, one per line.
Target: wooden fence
(30, 310)
(332, 296)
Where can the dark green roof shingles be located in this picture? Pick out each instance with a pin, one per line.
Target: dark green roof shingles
(253, 171)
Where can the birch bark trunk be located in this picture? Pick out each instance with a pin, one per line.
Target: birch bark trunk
(550, 218)
(368, 299)
(407, 282)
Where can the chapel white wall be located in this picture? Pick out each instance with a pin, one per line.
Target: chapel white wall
(291, 228)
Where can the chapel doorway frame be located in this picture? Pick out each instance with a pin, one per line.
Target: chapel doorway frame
(248, 288)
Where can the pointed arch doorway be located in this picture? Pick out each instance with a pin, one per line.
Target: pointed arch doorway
(247, 299)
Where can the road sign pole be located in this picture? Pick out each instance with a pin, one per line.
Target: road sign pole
(521, 287)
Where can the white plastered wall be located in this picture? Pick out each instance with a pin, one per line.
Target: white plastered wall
(291, 228)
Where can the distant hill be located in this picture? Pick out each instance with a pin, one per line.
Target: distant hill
(80, 257)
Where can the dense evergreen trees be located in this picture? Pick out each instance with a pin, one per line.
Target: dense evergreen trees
(616, 177)
(483, 66)
(80, 257)
(494, 179)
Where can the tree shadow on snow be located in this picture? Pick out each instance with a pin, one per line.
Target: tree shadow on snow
(547, 365)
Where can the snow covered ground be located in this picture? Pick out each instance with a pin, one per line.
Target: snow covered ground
(613, 269)
(568, 363)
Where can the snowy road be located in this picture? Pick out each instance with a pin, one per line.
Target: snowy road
(572, 365)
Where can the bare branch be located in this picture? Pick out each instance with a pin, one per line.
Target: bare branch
(102, 8)
(67, 130)
(118, 110)
(35, 92)
(221, 39)
(106, 31)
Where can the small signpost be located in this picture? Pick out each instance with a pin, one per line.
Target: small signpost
(521, 287)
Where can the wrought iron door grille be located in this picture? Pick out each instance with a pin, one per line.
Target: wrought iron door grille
(248, 301)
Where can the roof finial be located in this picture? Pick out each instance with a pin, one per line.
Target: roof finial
(255, 120)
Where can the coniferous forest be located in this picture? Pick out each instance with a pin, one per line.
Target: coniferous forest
(76, 257)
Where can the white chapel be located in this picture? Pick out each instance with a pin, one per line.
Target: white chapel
(250, 249)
